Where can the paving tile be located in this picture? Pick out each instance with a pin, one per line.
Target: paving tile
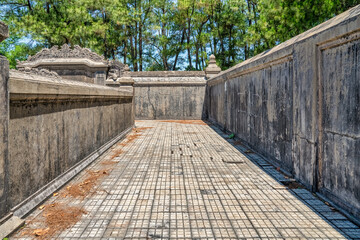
(186, 181)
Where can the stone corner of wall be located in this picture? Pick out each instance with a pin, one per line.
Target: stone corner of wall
(29, 83)
(4, 31)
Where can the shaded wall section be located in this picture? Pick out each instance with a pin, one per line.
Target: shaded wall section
(55, 124)
(4, 122)
(169, 95)
(299, 105)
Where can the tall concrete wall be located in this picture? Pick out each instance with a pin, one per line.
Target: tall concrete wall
(55, 125)
(299, 104)
(4, 122)
(169, 95)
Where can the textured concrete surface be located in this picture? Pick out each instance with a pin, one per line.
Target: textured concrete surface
(4, 123)
(10, 226)
(298, 104)
(169, 95)
(175, 182)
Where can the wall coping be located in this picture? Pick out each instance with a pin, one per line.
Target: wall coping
(138, 84)
(28, 86)
(169, 78)
(274, 53)
(164, 74)
(63, 62)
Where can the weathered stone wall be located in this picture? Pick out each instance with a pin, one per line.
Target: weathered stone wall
(299, 104)
(54, 125)
(169, 95)
(4, 122)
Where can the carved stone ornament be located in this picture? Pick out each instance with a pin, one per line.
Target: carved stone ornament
(41, 72)
(115, 70)
(65, 52)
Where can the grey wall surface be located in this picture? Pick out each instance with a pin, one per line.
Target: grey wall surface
(4, 122)
(299, 104)
(56, 123)
(169, 95)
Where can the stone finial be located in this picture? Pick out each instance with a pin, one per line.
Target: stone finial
(4, 31)
(126, 70)
(212, 70)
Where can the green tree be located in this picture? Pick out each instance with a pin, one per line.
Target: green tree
(161, 34)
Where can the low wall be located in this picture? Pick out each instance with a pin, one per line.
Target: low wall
(169, 95)
(54, 125)
(299, 104)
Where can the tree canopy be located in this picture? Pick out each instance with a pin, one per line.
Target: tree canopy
(161, 34)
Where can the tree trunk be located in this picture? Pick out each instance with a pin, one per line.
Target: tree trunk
(125, 45)
(179, 49)
(140, 48)
(140, 42)
(188, 44)
(136, 48)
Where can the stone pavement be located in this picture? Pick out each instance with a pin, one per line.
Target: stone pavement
(184, 180)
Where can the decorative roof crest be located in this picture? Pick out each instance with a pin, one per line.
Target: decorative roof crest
(65, 52)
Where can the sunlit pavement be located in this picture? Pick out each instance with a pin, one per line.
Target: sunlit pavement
(184, 180)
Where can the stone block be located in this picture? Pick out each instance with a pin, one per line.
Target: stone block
(4, 32)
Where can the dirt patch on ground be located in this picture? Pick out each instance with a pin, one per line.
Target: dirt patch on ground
(141, 129)
(57, 218)
(132, 137)
(116, 153)
(85, 187)
(194, 122)
(110, 162)
(136, 133)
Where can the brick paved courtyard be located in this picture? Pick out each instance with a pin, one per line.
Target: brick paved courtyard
(173, 180)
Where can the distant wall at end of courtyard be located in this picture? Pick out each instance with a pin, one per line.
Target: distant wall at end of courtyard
(169, 95)
(299, 105)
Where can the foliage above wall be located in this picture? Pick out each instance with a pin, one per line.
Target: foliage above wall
(161, 34)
